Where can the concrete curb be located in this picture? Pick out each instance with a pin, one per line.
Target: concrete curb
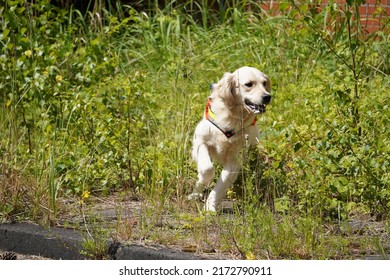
(66, 244)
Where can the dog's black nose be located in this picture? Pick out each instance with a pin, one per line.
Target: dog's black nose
(266, 98)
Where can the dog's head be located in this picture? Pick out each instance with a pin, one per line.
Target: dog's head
(246, 86)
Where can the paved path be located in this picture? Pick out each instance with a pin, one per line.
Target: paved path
(61, 243)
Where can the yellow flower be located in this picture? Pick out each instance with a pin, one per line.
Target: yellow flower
(58, 78)
(250, 256)
(85, 194)
(230, 194)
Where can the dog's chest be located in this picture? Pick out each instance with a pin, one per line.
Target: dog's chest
(221, 148)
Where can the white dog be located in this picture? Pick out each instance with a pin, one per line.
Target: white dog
(228, 125)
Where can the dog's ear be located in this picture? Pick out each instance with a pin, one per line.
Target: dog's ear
(227, 86)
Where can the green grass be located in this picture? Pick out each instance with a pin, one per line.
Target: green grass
(106, 103)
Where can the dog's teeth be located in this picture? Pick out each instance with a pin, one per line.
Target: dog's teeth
(257, 109)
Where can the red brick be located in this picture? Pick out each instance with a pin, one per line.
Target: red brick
(371, 19)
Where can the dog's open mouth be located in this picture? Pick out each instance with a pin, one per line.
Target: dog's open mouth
(255, 108)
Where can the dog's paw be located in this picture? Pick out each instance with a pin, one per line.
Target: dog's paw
(195, 196)
(210, 207)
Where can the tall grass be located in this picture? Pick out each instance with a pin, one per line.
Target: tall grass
(107, 101)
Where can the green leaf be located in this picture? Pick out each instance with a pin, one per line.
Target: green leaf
(283, 6)
(6, 32)
(304, 8)
(343, 180)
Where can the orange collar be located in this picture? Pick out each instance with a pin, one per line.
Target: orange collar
(210, 116)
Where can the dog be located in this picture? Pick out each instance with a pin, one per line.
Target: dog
(228, 126)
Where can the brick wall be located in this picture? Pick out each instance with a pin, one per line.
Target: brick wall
(374, 14)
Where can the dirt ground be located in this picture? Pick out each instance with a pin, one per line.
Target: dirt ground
(126, 217)
(121, 218)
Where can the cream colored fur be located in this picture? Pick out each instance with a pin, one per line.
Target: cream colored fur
(236, 100)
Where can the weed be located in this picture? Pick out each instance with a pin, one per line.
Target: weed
(95, 248)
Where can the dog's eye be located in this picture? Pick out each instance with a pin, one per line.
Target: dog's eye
(264, 84)
(249, 84)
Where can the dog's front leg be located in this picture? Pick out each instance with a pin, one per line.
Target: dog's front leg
(228, 175)
(205, 169)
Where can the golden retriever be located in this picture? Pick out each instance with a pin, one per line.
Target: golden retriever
(228, 126)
